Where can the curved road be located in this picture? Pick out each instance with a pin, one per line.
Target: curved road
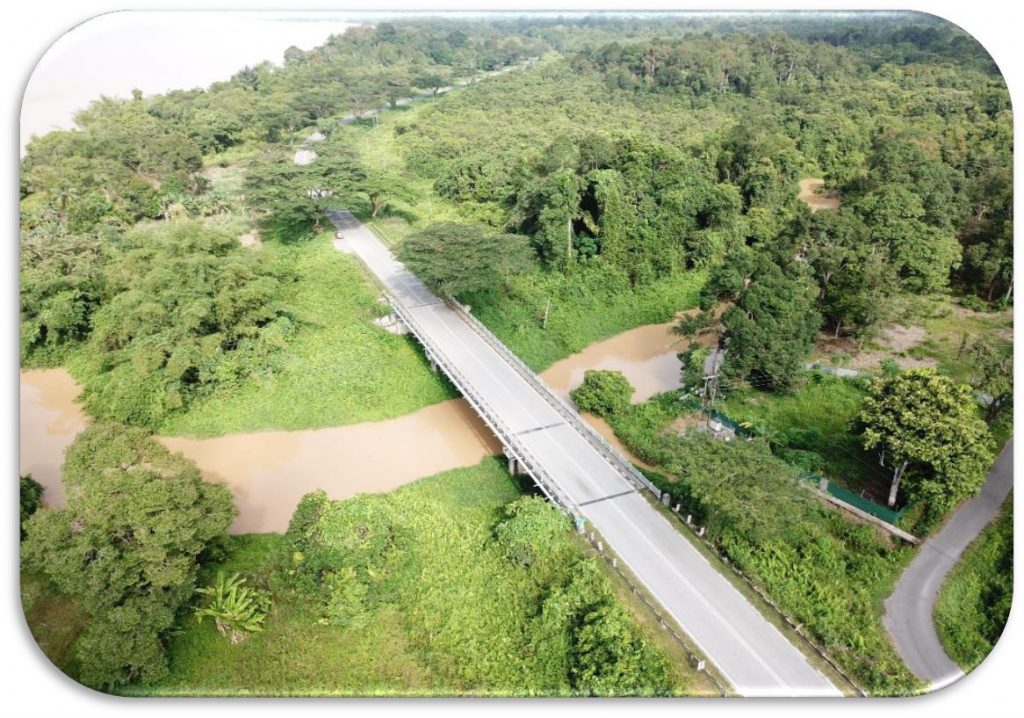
(908, 611)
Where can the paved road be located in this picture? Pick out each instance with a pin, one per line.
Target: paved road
(750, 653)
(908, 611)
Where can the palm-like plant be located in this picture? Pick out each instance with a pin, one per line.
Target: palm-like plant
(236, 609)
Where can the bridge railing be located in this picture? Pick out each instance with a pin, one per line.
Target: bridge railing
(569, 413)
(512, 447)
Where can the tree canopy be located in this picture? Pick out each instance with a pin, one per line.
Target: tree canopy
(188, 308)
(126, 546)
(771, 329)
(927, 427)
(459, 258)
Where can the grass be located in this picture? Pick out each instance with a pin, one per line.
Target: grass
(945, 326)
(54, 620)
(295, 655)
(817, 416)
(338, 368)
(974, 603)
(586, 306)
(453, 625)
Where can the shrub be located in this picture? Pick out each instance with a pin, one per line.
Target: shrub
(31, 495)
(236, 609)
(603, 392)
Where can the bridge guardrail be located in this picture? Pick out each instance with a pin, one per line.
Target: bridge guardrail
(508, 439)
(559, 404)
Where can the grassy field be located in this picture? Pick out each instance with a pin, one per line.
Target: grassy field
(455, 620)
(54, 620)
(975, 601)
(926, 331)
(338, 368)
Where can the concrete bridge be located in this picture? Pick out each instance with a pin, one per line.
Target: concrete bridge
(546, 438)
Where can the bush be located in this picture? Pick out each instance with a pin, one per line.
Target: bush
(487, 588)
(31, 495)
(603, 392)
(346, 554)
(825, 571)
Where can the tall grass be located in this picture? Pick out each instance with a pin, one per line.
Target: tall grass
(454, 620)
(974, 604)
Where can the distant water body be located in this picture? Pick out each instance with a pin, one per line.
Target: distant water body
(159, 51)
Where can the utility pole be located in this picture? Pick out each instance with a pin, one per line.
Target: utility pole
(547, 308)
(711, 367)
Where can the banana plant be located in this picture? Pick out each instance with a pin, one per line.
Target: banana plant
(236, 609)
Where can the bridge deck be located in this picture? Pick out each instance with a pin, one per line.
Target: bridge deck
(750, 653)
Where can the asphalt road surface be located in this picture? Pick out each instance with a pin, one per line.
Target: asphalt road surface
(750, 653)
(908, 611)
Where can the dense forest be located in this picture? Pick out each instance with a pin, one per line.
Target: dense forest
(569, 178)
(674, 147)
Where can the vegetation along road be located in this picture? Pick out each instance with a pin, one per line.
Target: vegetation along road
(908, 611)
(749, 652)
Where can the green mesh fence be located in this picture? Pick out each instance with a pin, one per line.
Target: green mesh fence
(868, 506)
(883, 512)
(725, 420)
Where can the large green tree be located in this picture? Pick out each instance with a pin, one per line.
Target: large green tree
(927, 428)
(458, 258)
(771, 328)
(189, 309)
(126, 547)
(62, 285)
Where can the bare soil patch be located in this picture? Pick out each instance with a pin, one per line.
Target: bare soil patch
(813, 197)
(251, 239)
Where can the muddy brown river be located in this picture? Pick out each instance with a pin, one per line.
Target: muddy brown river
(269, 471)
(50, 419)
(645, 355)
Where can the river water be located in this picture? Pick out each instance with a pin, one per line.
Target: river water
(645, 355)
(50, 419)
(158, 51)
(269, 471)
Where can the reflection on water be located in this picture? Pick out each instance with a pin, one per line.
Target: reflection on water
(50, 419)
